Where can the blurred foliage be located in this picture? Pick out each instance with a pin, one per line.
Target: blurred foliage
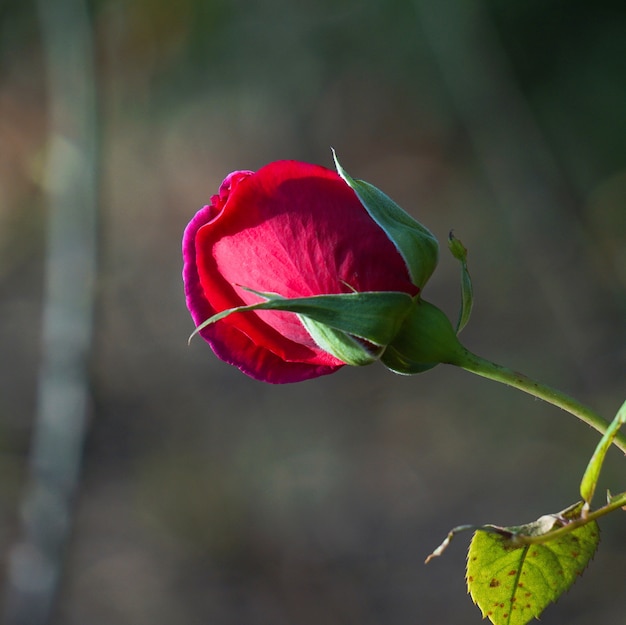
(570, 58)
(208, 497)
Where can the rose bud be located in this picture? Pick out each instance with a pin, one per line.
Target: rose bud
(294, 271)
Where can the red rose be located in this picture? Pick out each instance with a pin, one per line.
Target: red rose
(293, 229)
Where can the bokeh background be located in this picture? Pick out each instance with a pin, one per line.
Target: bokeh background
(208, 498)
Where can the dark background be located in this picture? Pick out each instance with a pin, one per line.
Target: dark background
(207, 497)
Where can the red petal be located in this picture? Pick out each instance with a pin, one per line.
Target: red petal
(294, 229)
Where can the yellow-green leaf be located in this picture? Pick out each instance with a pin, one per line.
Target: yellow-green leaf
(512, 581)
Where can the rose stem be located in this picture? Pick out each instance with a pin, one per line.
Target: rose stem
(487, 369)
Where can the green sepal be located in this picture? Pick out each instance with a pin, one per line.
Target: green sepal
(467, 293)
(374, 316)
(415, 243)
(425, 340)
(344, 346)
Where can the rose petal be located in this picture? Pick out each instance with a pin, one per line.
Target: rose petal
(294, 229)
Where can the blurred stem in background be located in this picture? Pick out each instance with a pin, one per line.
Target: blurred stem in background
(70, 180)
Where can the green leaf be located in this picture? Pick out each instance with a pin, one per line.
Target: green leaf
(514, 573)
(467, 293)
(415, 243)
(592, 473)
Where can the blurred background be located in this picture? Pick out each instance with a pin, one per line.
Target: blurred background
(206, 497)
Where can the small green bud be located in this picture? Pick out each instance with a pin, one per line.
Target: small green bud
(467, 293)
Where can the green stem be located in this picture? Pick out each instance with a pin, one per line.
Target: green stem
(618, 502)
(487, 369)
